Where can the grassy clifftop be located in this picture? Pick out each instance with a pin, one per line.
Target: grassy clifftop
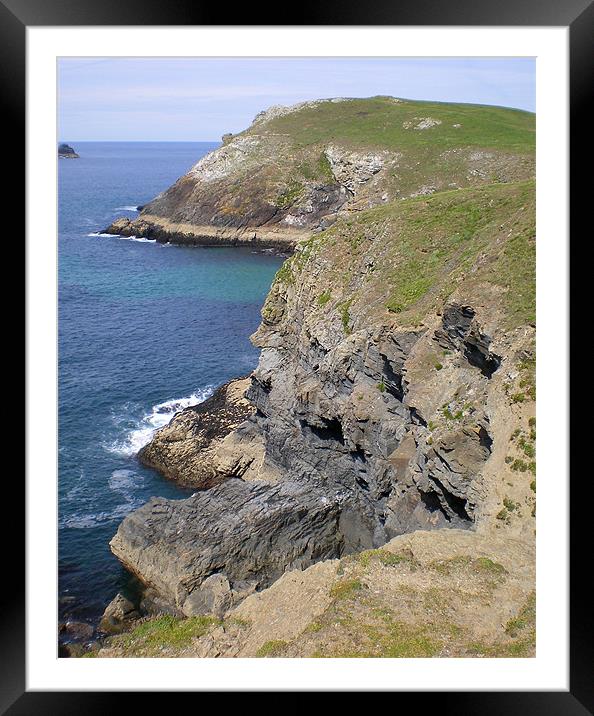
(394, 124)
(296, 169)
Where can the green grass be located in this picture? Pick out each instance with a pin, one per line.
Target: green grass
(384, 557)
(402, 641)
(509, 505)
(447, 413)
(525, 619)
(426, 247)
(391, 639)
(285, 273)
(503, 515)
(481, 566)
(517, 272)
(271, 648)
(436, 241)
(345, 589)
(324, 168)
(345, 316)
(289, 195)
(150, 636)
(378, 122)
(324, 297)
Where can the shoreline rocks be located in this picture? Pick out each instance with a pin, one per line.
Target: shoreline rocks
(249, 533)
(189, 449)
(279, 240)
(119, 615)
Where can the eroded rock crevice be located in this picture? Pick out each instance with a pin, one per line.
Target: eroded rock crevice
(460, 331)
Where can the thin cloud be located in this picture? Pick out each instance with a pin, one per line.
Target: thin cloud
(194, 99)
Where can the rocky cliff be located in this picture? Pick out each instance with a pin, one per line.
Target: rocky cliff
(295, 169)
(394, 393)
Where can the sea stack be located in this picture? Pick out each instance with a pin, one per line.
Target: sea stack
(67, 152)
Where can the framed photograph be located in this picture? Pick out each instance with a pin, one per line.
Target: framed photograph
(290, 292)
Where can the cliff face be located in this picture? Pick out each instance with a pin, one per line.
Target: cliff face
(394, 390)
(383, 341)
(296, 169)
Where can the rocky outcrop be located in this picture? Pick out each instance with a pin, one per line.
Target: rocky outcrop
(191, 449)
(426, 594)
(353, 169)
(118, 616)
(67, 152)
(184, 234)
(247, 532)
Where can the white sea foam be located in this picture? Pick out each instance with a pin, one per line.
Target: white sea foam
(99, 233)
(126, 208)
(156, 418)
(124, 483)
(142, 239)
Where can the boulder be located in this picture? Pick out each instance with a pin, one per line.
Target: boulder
(118, 615)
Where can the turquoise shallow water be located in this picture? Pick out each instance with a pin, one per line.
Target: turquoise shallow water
(144, 330)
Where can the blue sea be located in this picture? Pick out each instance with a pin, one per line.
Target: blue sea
(145, 329)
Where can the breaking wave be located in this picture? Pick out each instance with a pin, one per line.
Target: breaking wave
(159, 415)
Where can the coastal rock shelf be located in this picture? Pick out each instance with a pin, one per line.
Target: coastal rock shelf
(397, 353)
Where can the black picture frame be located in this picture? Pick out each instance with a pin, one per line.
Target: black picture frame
(578, 15)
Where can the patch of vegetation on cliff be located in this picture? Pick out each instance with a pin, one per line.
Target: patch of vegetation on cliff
(389, 605)
(324, 297)
(480, 566)
(289, 195)
(153, 636)
(423, 249)
(285, 273)
(345, 589)
(320, 169)
(516, 270)
(271, 648)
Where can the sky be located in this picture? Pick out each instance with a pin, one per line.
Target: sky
(200, 99)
